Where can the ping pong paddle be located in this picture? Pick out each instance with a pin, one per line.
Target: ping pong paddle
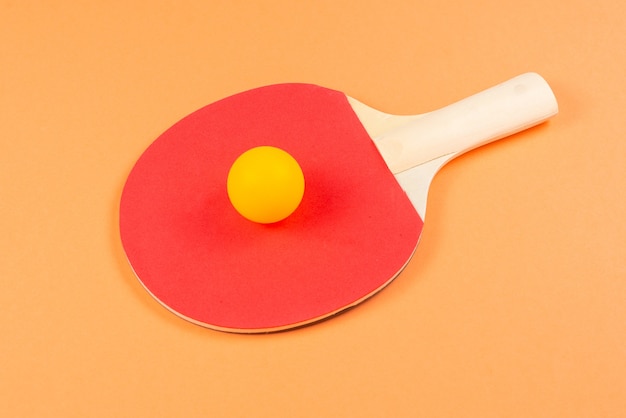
(359, 222)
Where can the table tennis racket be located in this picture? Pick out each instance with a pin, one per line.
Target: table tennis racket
(367, 175)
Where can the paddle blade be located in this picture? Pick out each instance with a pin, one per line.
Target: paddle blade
(353, 232)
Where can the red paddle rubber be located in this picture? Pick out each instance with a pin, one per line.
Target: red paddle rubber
(353, 232)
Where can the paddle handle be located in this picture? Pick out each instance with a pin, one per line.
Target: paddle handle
(509, 107)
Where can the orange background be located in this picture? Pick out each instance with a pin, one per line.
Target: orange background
(514, 305)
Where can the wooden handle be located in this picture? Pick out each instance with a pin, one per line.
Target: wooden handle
(509, 107)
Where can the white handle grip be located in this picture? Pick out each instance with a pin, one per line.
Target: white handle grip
(510, 107)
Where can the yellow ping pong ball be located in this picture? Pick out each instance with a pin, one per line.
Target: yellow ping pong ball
(265, 184)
